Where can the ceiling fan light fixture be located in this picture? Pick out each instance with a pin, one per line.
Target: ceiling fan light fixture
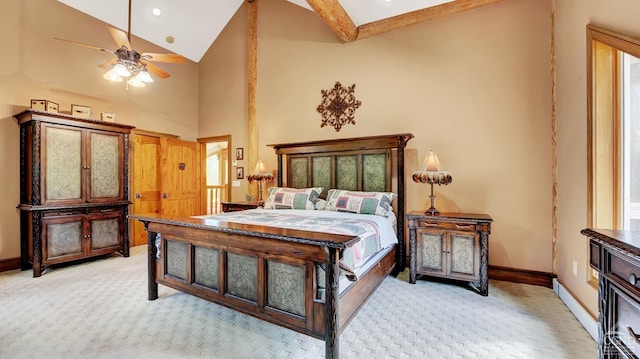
(144, 76)
(111, 75)
(136, 82)
(121, 70)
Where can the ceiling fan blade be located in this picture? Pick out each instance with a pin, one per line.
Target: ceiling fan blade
(108, 63)
(85, 45)
(120, 37)
(156, 70)
(173, 58)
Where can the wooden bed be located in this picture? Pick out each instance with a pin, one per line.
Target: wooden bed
(244, 267)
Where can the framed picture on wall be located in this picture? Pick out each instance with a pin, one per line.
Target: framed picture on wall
(239, 153)
(239, 172)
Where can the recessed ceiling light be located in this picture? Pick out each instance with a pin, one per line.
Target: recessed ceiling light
(156, 11)
(169, 39)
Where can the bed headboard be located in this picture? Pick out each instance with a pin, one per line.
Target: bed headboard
(358, 164)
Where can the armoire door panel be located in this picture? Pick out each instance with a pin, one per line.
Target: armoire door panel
(62, 180)
(105, 167)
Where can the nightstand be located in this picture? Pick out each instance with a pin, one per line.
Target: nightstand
(238, 206)
(450, 245)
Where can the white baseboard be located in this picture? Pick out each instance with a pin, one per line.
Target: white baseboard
(587, 321)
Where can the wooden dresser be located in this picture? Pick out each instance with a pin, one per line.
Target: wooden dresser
(615, 254)
(450, 245)
(74, 193)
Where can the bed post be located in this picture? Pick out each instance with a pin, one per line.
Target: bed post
(400, 256)
(279, 168)
(332, 296)
(152, 252)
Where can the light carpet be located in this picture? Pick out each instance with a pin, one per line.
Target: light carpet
(99, 309)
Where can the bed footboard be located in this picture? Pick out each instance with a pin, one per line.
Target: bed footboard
(271, 279)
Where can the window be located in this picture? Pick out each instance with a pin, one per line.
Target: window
(613, 131)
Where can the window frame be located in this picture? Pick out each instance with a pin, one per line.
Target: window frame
(604, 121)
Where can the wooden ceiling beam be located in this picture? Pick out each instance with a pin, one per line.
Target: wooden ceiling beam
(414, 17)
(332, 12)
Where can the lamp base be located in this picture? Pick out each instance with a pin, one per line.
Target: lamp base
(432, 211)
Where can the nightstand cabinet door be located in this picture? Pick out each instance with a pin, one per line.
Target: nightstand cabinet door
(464, 255)
(432, 258)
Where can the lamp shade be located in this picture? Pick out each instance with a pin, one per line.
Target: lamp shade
(260, 168)
(431, 162)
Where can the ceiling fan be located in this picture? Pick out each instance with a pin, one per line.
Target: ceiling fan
(129, 63)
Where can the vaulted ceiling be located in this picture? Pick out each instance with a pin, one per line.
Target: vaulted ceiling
(189, 27)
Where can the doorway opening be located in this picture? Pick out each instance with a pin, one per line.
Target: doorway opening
(217, 168)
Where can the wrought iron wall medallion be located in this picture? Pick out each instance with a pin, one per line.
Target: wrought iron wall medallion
(338, 106)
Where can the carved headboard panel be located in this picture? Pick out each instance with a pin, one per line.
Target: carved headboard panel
(357, 170)
(359, 164)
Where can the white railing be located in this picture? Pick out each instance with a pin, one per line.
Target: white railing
(215, 195)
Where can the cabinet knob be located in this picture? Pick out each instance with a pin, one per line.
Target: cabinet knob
(164, 195)
(138, 195)
(633, 279)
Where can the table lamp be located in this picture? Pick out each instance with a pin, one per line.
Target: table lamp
(260, 175)
(432, 174)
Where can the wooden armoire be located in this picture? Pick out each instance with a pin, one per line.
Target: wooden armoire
(74, 194)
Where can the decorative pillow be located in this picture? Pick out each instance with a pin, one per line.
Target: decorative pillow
(292, 198)
(378, 203)
(320, 204)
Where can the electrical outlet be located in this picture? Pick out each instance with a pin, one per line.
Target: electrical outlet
(575, 268)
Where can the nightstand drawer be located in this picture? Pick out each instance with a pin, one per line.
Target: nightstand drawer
(426, 223)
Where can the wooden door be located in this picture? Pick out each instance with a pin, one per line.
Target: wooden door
(145, 183)
(181, 177)
(166, 179)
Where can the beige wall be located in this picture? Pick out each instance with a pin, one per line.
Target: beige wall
(474, 87)
(572, 16)
(223, 90)
(34, 65)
